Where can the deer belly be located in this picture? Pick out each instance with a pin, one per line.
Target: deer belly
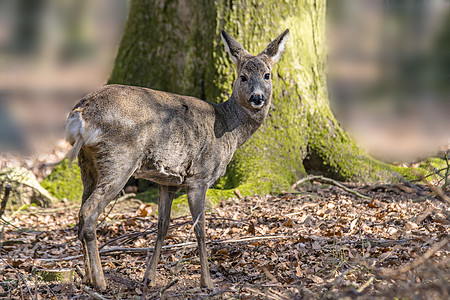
(160, 174)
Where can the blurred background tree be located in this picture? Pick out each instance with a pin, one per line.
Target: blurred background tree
(387, 62)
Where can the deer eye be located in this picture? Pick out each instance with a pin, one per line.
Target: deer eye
(267, 76)
(243, 78)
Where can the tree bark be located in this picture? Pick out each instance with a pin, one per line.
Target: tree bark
(175, 46)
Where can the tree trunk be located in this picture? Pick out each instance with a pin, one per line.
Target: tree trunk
(175, 46)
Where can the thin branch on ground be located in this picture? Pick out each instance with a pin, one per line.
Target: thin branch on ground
(127, 235)
(129, 283)
(18, 274)
(49, 210)
(144, 284)
(79, 272)
(118, 199)
(374, 242)
(187, 238)
(114, 250)
(329, 181)
(365, 285)
(301, 209)
(436, 247)
(50, 289)
(270, 294)
(93, 294)
(160, 292)
(134, 235)
(9, 223)
(437, 190)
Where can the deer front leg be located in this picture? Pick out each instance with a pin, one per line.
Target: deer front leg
(196, 198)
(166, 195)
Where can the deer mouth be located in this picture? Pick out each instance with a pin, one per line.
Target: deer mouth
(257, 101)
(257, 104)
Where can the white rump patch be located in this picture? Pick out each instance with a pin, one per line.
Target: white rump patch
(73, 128)
(78, 134)
(76, 128)
(91, 136)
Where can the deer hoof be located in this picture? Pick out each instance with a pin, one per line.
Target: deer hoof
(151, 282)
(206, 283)
(100, 286)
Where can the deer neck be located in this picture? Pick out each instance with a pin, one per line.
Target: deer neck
(240, 121)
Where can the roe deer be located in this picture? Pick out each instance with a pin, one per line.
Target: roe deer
(176, 141)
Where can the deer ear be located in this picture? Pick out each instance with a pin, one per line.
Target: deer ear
(233, 47)
(276, 47)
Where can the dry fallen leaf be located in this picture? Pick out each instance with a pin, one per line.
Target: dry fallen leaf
(289, 223)
(144, 210)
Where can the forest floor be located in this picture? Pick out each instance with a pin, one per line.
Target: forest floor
(319, 243)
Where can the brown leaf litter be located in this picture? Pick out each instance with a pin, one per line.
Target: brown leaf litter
(321, 242)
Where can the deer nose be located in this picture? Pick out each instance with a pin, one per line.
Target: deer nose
(257, 100)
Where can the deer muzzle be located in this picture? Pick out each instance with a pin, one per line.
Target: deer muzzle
(257, 100)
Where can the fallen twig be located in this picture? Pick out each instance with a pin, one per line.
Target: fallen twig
(93, 294)
(9, 223)
(389, 187)
(50, 289)
(144, 284)
(131, 236)
(437, 190)
(112, 250)
(300, 209)
(270, 294)
(128, 235)
(20, 276)
(436, 247)
(187, 238)
(124, 197)
(49, 210)
(79, 272)
(365, 285)
(329, 181)
(134, 235)
(160, 292)
(373, 242)
(131, 284)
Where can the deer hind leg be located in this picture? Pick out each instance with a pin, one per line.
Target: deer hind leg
(112, 176)
(166, 195)
(89, 177)
(196, 199)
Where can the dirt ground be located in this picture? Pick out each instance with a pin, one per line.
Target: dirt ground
(319, 243)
